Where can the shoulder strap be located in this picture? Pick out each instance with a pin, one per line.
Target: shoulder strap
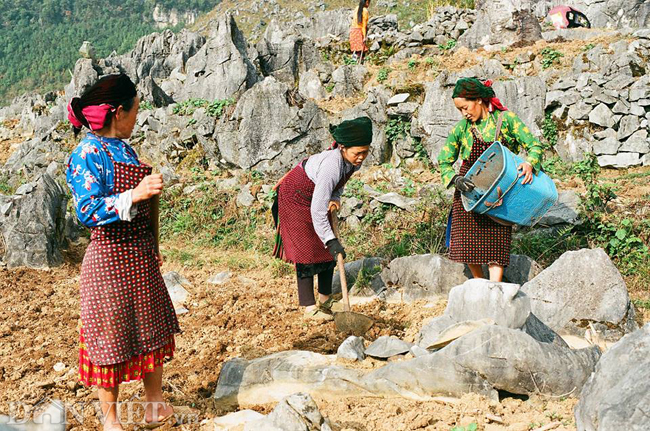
(499, 123)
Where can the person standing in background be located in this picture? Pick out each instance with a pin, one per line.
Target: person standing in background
(359, 30)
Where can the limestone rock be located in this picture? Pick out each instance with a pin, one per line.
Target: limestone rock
(349, 80)
(565, 211)
(618, 393)
(268, 134)
(221, 69)
(427, 276)
(620, 160)
(580, 290)
(33, 223)
(502, 23)
(385, 346)
(352, 349)
(295, 412)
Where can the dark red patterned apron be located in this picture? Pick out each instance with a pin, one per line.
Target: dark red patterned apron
(300, 243)
(125, 307)
(476, 238)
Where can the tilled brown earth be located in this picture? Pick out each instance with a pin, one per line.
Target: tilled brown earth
(251, 315)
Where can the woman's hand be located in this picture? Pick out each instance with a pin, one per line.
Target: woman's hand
(526, 171)
(334, 206)
(150, 186)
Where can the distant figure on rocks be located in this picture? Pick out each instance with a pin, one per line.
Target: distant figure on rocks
(477, 239)
(568, 17)
(306, 197)
(127, 317)
(359, 30)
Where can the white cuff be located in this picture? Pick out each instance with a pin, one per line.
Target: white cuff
(124, 205)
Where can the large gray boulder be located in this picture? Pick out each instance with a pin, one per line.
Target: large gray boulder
(285, 53)
(565, 211)
(326, 24)
(271, 378)
(423, 277)
(221, 69)
(478, 299)
(617, 395)
(502, 23)
(368, 268)
(268, 134)
(349, 80)
(32, 224)
(582, 290)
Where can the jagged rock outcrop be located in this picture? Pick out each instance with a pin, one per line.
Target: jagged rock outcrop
(267, 133)
(617, 395)
(582, 290)
(502, 23)
(221, 69)
(32, 224)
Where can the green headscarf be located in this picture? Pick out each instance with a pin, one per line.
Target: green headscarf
(472, 88)
(354, 133)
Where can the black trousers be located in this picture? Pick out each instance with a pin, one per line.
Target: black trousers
(306, 286)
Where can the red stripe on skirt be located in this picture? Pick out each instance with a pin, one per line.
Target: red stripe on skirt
(109, 376)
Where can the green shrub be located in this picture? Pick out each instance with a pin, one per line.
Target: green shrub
(550, 57)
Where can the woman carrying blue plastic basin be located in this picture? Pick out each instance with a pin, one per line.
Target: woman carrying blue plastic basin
(477, 239)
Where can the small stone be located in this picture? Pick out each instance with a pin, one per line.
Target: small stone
(398, 98)
(637, 143)
(398, 200)
(59, 366)
(606, 146)
(245, 197)
(629, 124)
(602, 116)
(351, 349)
(621, 107)
(620, 160)
(386, 346)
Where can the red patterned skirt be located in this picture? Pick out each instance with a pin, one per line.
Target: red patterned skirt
(109, 376)
(476, 238)
(356, 40)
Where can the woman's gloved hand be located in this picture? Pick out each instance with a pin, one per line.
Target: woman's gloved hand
(462, 184)
(335, 248)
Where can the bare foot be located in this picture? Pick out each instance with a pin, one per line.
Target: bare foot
(163, 410)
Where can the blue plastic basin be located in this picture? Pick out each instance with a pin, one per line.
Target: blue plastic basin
(496, 179)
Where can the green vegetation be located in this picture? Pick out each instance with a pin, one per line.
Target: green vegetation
(5, 188)
(550, 57)
(412, 64)
(397, 128)
(146, 106)
(382, 75)
(449, 45)
(549, 130)
(30, 61)
(213, 109)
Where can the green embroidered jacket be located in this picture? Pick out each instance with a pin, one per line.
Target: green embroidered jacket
(514, 134)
